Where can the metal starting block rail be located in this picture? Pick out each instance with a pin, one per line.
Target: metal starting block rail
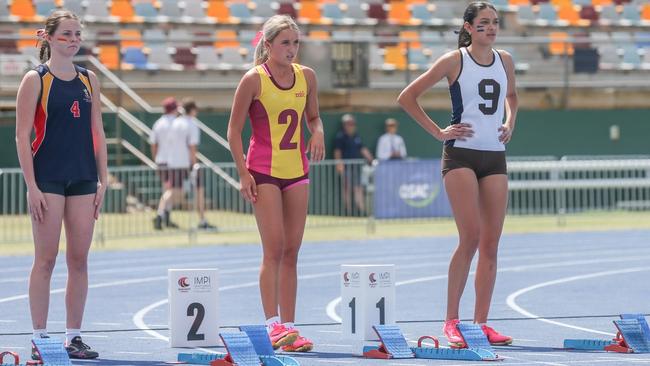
(633, 336)
(394, 345)
(251, 346)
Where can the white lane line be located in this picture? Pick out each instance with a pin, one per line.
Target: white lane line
(138, 318)
(12, 347)
(107, 324)
(511, 300)
(7, 321)
(330, 309)
(336, 361)
(97, 285)
(146, 338)
(334, 345)
(329, 331)
(133, 353)
(86, 335)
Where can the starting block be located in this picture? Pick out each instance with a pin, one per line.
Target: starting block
(394, 345)
(52, 352)
(633, 336)
(251, 346)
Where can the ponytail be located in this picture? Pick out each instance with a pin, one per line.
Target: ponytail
(261, 54)
(464, 38)
(45, 53)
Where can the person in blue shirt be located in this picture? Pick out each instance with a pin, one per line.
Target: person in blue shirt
(348, 145)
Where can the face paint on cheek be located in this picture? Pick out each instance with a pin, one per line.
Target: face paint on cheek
(61, 39)
(480, 28)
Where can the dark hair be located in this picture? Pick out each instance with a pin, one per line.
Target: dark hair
(189, 105)
(51, 24)
(472, 10)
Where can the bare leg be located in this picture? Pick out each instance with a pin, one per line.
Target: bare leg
(200, 202)
(47, 235)
(494, 202)
(269, 217)
(360, 199)
(294, 201)
(79, 225)
(462, 188)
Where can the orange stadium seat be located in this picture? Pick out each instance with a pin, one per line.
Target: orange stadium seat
(309, 12)
(561, 2)
(519, 2)
(27, 38)
(109, 55)
(321, 35)
(218, 10)
(413, 38)
(601, 2)
(395, 55)
(399, 13)
(570, 14)
(558, 45)
(123, 10)
(23, 9)
(131, 38)
(645, 12)
(226, 38)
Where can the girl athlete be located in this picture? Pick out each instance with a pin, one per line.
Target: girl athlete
(60, 102)
(482, 87)
(278, 95)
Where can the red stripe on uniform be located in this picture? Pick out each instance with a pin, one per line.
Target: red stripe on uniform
(39, 128)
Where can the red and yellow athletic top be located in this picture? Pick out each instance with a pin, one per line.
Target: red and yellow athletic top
(277, 146)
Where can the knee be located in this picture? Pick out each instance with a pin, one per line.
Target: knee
(290, 255)
(488, 254)
(272, 258)
(469, 241)
(44, 266)
(77, 263)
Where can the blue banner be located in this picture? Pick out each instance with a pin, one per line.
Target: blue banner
(410, 188)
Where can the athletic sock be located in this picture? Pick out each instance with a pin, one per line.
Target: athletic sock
(289, 325)
(39, 333)
(270, 322)
(70, 334)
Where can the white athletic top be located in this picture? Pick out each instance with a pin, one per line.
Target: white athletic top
(478, 98)
(174, 136)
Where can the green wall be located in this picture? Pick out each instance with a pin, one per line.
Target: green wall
(538, 132)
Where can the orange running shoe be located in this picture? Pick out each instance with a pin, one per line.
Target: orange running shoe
(496, 338)
(301, 344)
(454, 338)
(281, 336)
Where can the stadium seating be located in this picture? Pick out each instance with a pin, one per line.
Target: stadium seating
(403, 34)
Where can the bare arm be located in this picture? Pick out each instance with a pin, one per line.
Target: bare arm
(366, 154)
(512, 102)
(26, 100)
(99, 141)
(446, 66)
(248, 89)
(193, 154)
(154, 151)
(314, 123)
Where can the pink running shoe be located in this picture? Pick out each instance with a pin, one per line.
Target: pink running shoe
(281, 336)
(454, 338)
(301, 344)
(496, 338)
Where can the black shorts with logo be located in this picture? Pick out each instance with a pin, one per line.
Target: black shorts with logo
(483, 163)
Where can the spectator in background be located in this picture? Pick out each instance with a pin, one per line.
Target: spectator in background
(190, 111)
(390, 145)
(348, 145)
(173, 146)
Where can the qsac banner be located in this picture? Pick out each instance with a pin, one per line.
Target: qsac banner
(410, 188)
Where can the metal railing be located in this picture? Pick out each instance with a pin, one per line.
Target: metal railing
(554, 187)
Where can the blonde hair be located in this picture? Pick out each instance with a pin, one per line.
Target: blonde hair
(272, 27)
